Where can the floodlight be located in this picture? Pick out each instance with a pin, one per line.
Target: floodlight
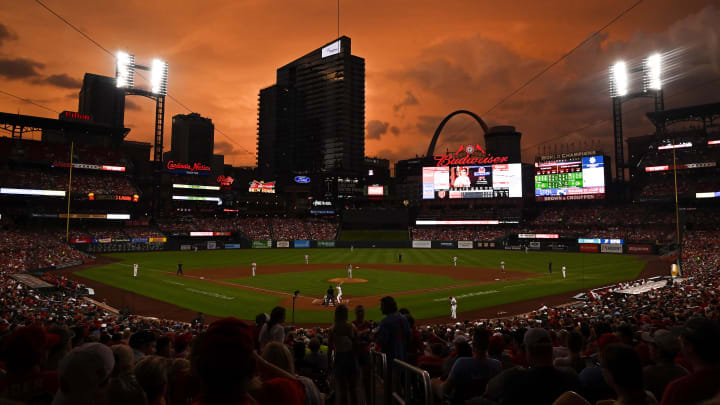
(159, 76)
(125, 69)
(618, 80)
(652, 69)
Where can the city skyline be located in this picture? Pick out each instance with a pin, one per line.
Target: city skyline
(422, 62)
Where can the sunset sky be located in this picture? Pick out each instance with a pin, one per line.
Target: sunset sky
(424, 59)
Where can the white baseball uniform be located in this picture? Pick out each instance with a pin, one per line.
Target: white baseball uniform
(254, 266)
(563, 270)
(350, 271)
(526, 249)
(455, 261)
(339, 295)
(502, 266)
(135, 269)
(453, 308)
(307, 259)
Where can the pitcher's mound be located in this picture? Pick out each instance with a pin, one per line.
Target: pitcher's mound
(347, 280)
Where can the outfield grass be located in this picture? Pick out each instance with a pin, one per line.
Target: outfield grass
(379, 281)
(584, 271)
(369, 235)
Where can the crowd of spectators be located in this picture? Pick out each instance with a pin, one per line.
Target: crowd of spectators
(28, 250)
(447, 233)
(56, 179)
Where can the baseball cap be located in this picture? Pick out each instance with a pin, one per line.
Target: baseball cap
(607, 338)
(85, 368)
(537, 337)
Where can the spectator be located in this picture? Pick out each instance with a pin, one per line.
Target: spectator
(125, 390)
(573, 359)
(316, 361)
(143, 344)
(342, 339)
(362, 350)
(622, 370)
(24, 380)
(394, 337)
(541, 383)
(664, 347)
(163, 347)
(699, 342)
(151, 373)
(279, 355)
(273, 330)
(84, 374)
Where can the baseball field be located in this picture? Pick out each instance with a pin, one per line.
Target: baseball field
(219, 283)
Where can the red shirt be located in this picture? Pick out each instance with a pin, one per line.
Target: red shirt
(693, 388)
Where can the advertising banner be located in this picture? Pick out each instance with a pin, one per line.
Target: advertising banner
(185, 247)
(447, 245)
(121, 240)
(534, 245)
(589, 248)
(640, 249)
(232, 246)
(211, 245)
(283, 244)
(139, 240)
(326, 243)
(465, 244)
(80, 240)
(301, 244)
(157, 240)
(261, 244)
(421, 244)
(614, 248)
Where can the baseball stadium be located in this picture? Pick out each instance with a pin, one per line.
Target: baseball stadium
(326, 275)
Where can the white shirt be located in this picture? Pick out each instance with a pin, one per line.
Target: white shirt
(254, 265)
(453, 302)
(339, 290)
(462, 181)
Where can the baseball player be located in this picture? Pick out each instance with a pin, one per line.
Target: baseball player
(351, 248)
(339, 294)
(179, 271)
(502, 266)
(563, 271)
(195, 248)
(550, 268)
(453, 307)
(254, 267)
(455, 261)
(526, 249)
(135, 269)
(307, 259)
(350, 271)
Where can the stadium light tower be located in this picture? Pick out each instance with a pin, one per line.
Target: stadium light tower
(620, 92)
(125, 67)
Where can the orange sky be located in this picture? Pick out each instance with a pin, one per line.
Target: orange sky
(424, 59)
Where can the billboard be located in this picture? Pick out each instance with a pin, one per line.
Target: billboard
(576, 179)
(283, 244)
(188, 168)
(421, 244)
(611, 248)
(301, 244)
(261, 244)
(375, 190)
(465, 244)
(262, 187)
(460, 182)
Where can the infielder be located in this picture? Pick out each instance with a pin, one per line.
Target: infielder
(339, 294)
(563, 271)
(526, 249)
(135, 269)
(502, 266)
(179, 271)
(350, 271)
(453, 307)
(307, 259)
(254, 267)
(455, 261)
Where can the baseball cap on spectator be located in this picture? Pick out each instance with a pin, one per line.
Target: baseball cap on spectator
(665, 340)
(537, 337)
(141, 338)
(607, 338)
(82, 372)
(703, 334)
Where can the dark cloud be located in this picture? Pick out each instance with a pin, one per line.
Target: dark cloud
(409, 100)
(375, 129)
(6, 34)
(63, 80)
(131, 105)
(395, 130)
(19, 68)
(227, 149)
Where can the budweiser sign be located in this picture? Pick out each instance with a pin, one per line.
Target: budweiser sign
(262, 187)
(195, 167)
(457, 158)
(225, 181)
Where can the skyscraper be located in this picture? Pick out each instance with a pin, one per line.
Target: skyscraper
(193, 139)
(102, 100)
(312, 121)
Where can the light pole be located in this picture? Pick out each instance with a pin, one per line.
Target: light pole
(125, 79)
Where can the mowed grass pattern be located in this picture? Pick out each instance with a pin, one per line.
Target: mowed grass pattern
(157, 279)
(315, 283)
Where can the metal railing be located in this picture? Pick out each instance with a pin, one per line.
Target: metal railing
(378, 374)
(410, 385)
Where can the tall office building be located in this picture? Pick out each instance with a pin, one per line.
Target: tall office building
(193, 139)
(102, 100)
(312, 121)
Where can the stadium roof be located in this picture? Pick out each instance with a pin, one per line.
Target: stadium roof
(33, 123)
(702, 112)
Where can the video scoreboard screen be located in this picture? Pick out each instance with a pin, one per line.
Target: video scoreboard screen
(460, 182)
(578, 179)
